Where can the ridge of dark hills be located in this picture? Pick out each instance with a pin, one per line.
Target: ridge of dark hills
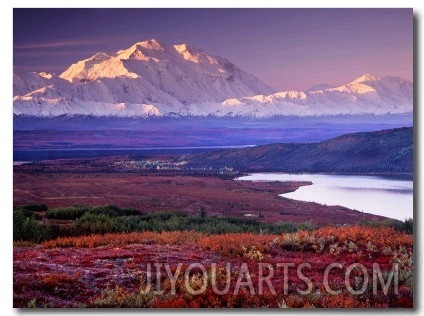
(386, 151)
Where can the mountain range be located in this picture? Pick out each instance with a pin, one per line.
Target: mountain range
(155, 79)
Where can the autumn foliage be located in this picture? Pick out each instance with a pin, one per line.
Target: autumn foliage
(110, 270)
(118, 240)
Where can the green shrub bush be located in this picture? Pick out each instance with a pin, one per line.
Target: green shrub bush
(27, 228)
(111, 219)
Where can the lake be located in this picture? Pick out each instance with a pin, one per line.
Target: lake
(371, 194)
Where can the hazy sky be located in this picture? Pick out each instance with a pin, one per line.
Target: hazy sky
(285, 48)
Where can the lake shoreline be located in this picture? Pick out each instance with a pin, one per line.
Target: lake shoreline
(389, 175)
(379, 195)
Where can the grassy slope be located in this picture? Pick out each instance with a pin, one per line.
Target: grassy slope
(383, 151)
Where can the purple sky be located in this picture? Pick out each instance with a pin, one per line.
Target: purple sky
(285, 48)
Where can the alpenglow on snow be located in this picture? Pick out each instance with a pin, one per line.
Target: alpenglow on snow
(154, 79)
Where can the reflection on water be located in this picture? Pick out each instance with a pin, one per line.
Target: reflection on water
(394, 190)
(377, 195)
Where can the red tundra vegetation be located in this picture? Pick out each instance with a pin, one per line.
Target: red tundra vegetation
(188, 194)
(346, 267)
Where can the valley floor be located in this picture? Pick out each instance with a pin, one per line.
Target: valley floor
(189, 194)
(112, 270)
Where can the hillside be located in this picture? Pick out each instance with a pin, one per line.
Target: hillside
(382, 151)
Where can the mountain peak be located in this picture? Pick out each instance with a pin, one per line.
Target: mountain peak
(159, 79)
(152, 71)
(366, 77)
(45, 75)
(195, 55)
(181, 47)
(145, 50)
(96, 58)
(151, 44)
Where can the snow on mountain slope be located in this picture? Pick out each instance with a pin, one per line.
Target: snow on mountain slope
(185, 73)
(365, 95)
(152, 78)
(101, 65)
(27, 82)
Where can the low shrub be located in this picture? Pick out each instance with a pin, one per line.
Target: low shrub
(27, 228)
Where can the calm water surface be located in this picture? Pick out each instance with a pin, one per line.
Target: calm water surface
(371, 194)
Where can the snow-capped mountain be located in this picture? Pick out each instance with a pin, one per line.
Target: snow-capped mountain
(28, 82)
(149, 78)
(365, 95)
(152, 78)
